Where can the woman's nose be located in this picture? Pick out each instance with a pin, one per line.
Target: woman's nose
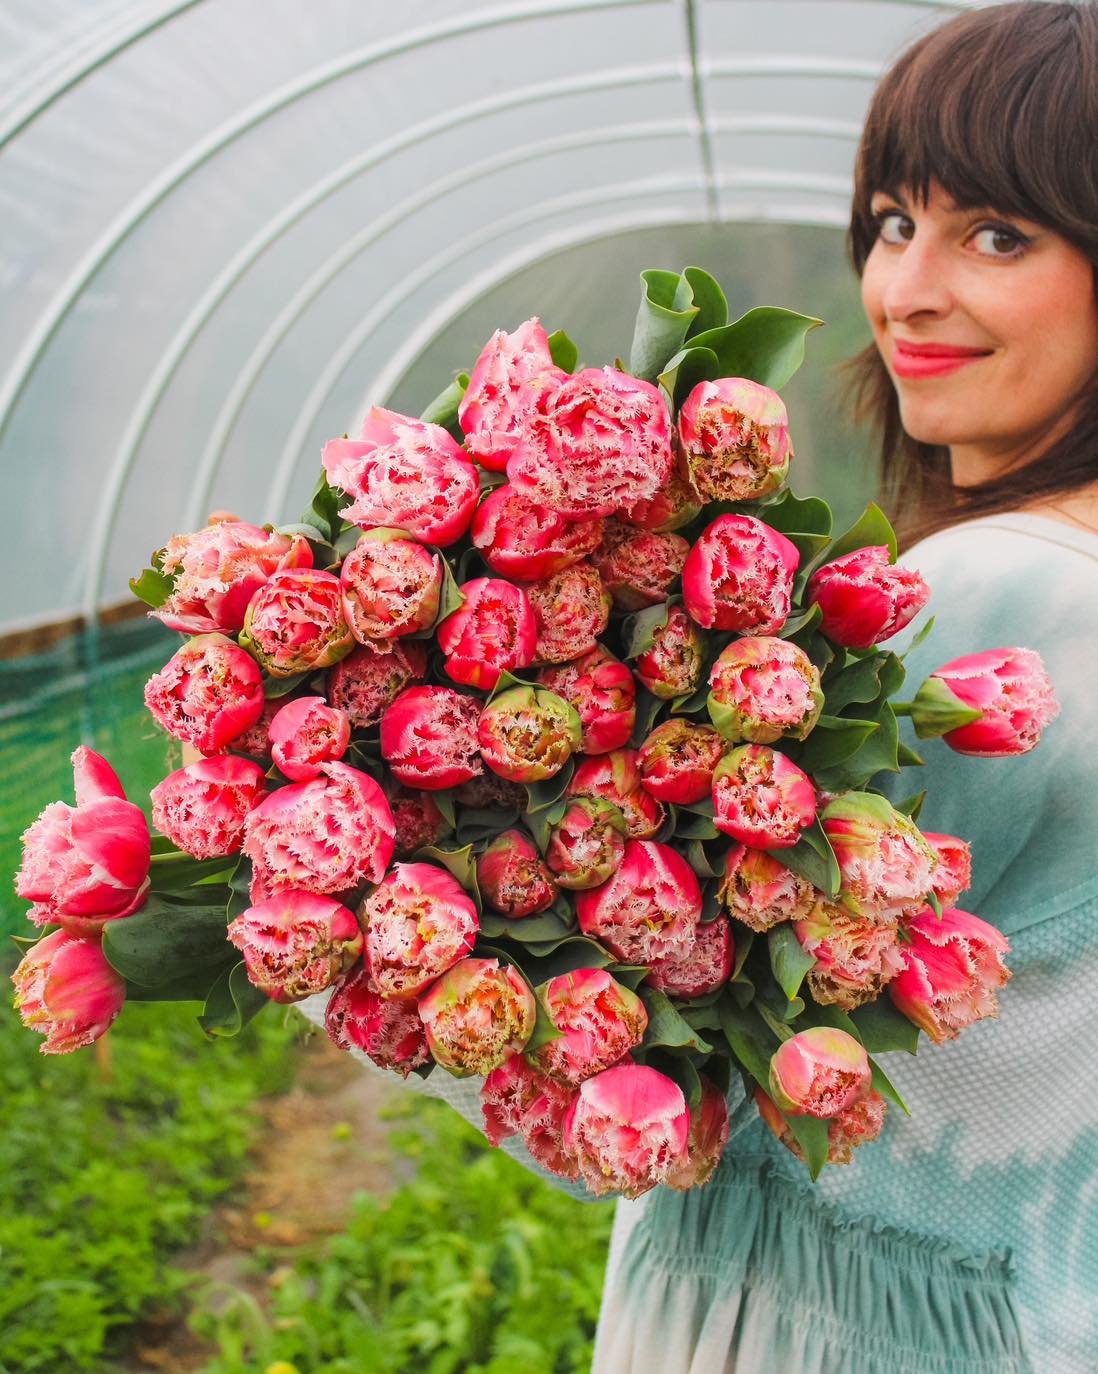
(917, 281)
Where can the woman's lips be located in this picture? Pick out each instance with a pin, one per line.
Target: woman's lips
(930, 359)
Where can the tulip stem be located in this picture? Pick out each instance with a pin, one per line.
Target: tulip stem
(902, 708)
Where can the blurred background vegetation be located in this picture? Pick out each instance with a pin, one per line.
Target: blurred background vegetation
(264, 1206)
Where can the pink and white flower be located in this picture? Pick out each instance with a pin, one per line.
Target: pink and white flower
(587, 844)
(616, 777)
(527, 734)
(571, 609)
(853, 1126)
(761, 798)
(602, 690)
(476, 1014)
(419, 921)
(864, 598)
(638, 566)
(673, 506)
(953, 875)
(372, 677)
(650, 907)
(207, 694)
(417, 819)
(202, 807)
(703, 967)
(1011, 690)
(493, 631)
(599, 1021)
(819, 1072)
(760, 892)
(513, 877)
(528, 542)
(735, 435)
(504, 386)
(296, 943)
(306, 733)
(294, 623)
(86, 864)
(392, 586)
(887, 866)
(628, 1129)
(953, 969)
(518, 1100)
(331, 834)
(739, 576)
(405, 474)
(678, 759)
(705, 1141)
(389, 1032)
(672, 664)
(429, 737)
(856, 956)
(764, 689)
(67, 991)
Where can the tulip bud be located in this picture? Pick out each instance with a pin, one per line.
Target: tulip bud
(296, 943)
(202, 808)
(953, 967)
(678, 759)
(306, 733)
(953, 875)
(628, 1130)
(762, 798)
(648, 909)
(504, 385)
(760, 892)
(518, 1100)
(207, 694)
(637, 566)
(387, 1031)
(673, 506)
(404, 474)
(67, 991)
(705, 1141)
(526, 734)
(819, 1072)
(391, 585)
(992, 705)
(764, 690)
(600, 1021)
(735, 435)
(429, 737)
(372, 677)
(571, 608)
(672, 664)
(601, 689)
(513, 877)
(476, 1014)
(527, 542)
(739, 576)
(855, 955)
(492, 631)
(864, 598)
(416, 819)
(587, 844)
(615, 777)
(859, 1122)
(419, 921)
(703, 967)
(887, 867)
(294, 623)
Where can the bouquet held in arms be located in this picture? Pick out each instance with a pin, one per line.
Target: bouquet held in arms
(545, 748)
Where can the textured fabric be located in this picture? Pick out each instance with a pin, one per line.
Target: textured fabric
(966, 1238)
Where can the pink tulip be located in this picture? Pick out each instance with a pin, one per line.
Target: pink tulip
(1011, 690)
(217, 570)
(675, 504)
(616, 777)
(864, 598)
(853, 1126)
(678, 759)
(761, 798)
(66, 990)
(760, 892)
(571, 609)
(391, 585)
(672, 665)
(256, 740)
(953, 967)
(202, 807)
(638, 566)
(887, 867)
(518, 1100)
(819, 1072)
(648, 909)
(527, 542)
(417, 819)
(703, 967)
(855, 955)
(429, 738)
(372, 677)
(953, 875)
(306, 733)
(602, 690)
(705, 1141)
(331, 834)
(628, 1130)
(404, 474)
(735, 435)
(763, 690)
(587, 844)
(207, 694)
(491, 632)
(739, 576)
(476, 1014)
(294, 623)
(504, 385)
(86, 864)
(599, 1021)
(513, 878)
(598, 441)
(387, 1031)
(296, 943)
(419, 921)
(527, 734)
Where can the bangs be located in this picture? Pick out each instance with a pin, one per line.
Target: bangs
(1000, 108)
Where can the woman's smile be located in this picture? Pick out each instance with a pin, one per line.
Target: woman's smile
(912, 360)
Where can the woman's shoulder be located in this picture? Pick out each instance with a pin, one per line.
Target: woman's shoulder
(1006, 543)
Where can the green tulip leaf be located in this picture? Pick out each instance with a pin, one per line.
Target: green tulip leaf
(709, 298)
(666, 1026)
(232, 1002)
(153, 587)
(881, 1027)
(812, 858)
(685, 370)
(872, 527)
(789, 961)
(664, 316)
(166, 941)
(564, 353)
(765, 345)
(443, 410)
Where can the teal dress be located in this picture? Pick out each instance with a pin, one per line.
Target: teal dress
(964, 1240)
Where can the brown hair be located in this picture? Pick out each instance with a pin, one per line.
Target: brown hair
(999, 106)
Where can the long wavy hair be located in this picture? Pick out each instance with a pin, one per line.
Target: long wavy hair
(999, 106)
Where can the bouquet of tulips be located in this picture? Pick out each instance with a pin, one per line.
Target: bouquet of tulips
(545, 746)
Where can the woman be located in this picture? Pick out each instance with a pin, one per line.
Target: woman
(965, 1240)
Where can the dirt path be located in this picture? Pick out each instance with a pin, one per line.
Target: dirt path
(319, 1143)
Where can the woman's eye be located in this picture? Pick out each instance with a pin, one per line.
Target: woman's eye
(894, 227)
(996, 241)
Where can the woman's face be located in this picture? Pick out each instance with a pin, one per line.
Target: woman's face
(987, 324)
